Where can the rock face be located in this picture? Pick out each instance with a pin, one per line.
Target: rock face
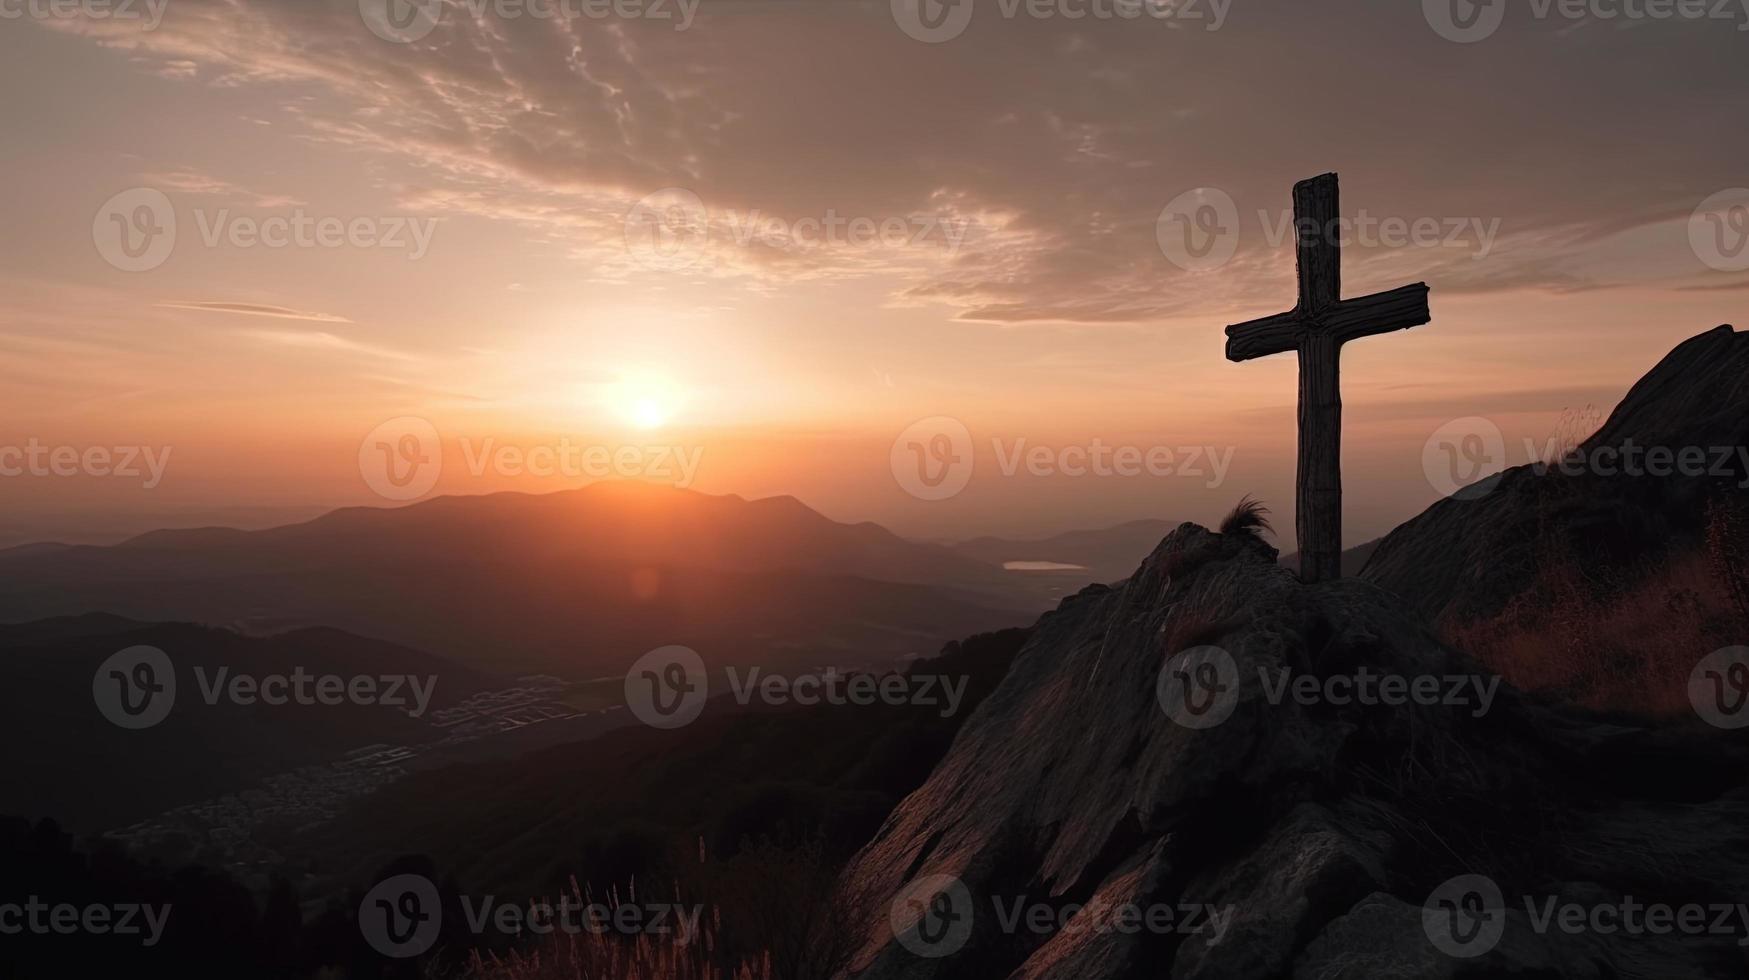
(1316, 831)
(1468, 555)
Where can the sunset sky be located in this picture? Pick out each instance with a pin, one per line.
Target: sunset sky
(626, 244)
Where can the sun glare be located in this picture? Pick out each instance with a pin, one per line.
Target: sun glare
(648, 413)
(645, 401)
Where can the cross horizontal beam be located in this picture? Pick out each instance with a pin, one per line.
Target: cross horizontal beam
(1345, 320)
(1276, 334)
(1369, 316)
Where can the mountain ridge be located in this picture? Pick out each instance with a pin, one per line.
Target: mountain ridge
(578, 582)
(1467, 556)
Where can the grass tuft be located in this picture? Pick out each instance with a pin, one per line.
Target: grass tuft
(1248, 517)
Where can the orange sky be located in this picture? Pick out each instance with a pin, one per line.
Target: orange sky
(476, 254)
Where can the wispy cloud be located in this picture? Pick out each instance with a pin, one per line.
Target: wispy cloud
(190, 182)
(322, 340)
(1716, 287)
(257, 309)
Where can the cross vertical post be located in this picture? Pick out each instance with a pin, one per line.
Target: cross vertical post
(1316, 328)
(1319, 253)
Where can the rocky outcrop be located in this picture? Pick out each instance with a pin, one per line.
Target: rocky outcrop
(1088, 823)
(1469, 555)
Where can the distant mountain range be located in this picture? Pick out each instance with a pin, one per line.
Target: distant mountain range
(580, 582)
(577, 583)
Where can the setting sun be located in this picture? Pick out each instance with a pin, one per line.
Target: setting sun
(648, 413)
(644, 401)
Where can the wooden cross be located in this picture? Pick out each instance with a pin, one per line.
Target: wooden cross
(1318, 327)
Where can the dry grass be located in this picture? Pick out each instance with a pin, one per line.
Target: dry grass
(591, 957)
(585, 955)
(1571, 430)
(1629, 648)
(789, 917)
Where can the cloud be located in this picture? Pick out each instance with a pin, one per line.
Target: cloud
(1716, 287)
(1058, 141)
(256, 309)
(190, 182)
(322, 340)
